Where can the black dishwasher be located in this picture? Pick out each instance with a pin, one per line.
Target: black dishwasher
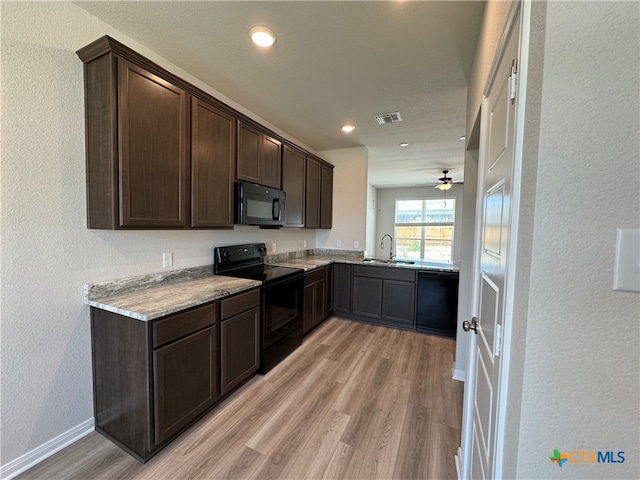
(437, 302)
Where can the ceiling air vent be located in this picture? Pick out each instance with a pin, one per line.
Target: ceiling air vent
(388, 118)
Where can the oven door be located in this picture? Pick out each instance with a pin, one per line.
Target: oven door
(282, 303)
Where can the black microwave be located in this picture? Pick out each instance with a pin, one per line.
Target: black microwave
(259, 205)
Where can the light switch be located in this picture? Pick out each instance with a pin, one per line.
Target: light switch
(626, 271)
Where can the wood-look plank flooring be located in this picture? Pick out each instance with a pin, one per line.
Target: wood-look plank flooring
(356, 401)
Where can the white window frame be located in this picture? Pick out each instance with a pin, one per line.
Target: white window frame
(422, 226)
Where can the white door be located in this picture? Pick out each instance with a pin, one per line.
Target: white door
(491, 282)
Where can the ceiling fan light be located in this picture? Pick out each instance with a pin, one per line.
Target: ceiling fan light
(444, 186)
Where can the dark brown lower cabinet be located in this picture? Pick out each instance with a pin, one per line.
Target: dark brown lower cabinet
(315, 298)
(185, 381)
(153, 379)
(342, 288)
(382, 295)
(330, 269)
(239, 348)
(367, 297)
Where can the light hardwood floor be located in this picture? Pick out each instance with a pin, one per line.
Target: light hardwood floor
(356, 401)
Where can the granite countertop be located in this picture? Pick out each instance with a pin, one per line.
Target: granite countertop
(317, 261)
(157, 301)
(151, 296)
(313, 261)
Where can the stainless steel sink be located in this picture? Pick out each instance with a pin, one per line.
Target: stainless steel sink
(376, 260)
(388, 262)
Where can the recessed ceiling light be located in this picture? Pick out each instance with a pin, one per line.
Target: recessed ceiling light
(348, 128)
(262, 36)
(404, 144)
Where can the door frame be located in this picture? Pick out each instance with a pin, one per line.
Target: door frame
(520, 11)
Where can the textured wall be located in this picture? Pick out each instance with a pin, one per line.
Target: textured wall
(495, 17)
(349, 199)
(580, 385)
(47, 252)
(385, 217)
(372, 207)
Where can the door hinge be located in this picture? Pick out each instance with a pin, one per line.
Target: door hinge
(498, 349)
(513, 80)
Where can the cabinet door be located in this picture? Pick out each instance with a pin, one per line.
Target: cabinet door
(213, 143)
(293, 183)
(309, 309)
(153, 133)
(270, 162)
(367, 297)
(185, 381)
(249, 150)
(312, 194)
(342, 288)
(398, 302)
(326, 197)
(239, 348)
(328, 304)
(320, 301)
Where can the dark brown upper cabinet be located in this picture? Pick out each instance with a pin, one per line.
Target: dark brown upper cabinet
(326, 196)
(213, 154)
(162, 153)
(258, 158)
(312, 194)
(319, 194)
(293, 183)
(137, 147)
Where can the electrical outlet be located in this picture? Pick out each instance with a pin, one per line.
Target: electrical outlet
(356, 244)
(338, 243)
(167, 259)
(273, 248)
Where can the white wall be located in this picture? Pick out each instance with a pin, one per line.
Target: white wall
(580, 384)
(349, 199)
(467, 236)
(48, 254)
(495, 16)
(385, 218)
(573, 382)
(372, 208)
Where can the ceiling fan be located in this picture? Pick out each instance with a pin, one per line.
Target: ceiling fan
(445, 182)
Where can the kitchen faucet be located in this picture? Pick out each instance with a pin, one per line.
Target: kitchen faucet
(390, 245)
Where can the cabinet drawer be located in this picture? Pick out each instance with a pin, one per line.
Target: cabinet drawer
(182, 324)
(239, 303)
(387, 273)
(315, 275)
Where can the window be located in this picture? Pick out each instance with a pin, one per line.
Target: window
(424, 229)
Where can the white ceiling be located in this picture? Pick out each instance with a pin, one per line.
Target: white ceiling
(334, 62)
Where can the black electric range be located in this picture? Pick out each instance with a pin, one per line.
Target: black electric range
(281, 294)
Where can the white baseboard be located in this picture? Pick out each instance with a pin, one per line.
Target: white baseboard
(459, 374)
(457, 458)
(44, 451)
